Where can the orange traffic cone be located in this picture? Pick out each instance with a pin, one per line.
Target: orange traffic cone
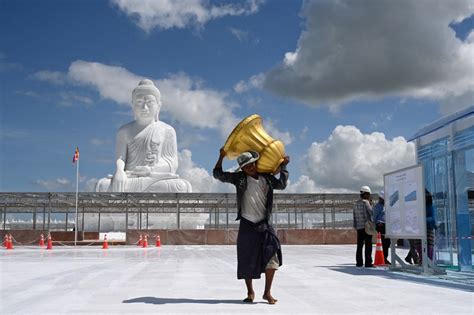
(41, 243)
(140, 241)
(379, 258)
(158, 241)
(145, 241)
(9, 242)
(105, 245)
(50, 242)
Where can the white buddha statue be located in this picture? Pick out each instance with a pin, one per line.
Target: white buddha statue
(146, 150)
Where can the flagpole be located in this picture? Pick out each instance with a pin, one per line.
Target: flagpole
(77, 197)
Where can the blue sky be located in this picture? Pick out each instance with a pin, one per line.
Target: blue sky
(343, 84)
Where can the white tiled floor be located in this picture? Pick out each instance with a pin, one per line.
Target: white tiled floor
(202, 279)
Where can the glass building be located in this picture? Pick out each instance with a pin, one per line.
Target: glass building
(445, 148)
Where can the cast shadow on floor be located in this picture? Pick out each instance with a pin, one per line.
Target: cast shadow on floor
(160, 301)
(398, 275)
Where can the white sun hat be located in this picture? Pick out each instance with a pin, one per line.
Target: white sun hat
(247, 158)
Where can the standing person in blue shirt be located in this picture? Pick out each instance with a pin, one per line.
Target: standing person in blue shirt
(379, 219)
(430, 223)
(362, 213)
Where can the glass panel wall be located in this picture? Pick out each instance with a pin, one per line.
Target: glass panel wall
(464, 168)
(448, 164)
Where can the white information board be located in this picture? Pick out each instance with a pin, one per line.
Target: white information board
(405, 203)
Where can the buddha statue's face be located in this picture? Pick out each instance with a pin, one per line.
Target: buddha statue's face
(145, 108)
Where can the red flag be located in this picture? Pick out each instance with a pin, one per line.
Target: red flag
(76, 156)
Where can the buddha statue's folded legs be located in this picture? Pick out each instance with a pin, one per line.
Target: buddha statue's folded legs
(125, 181)
(144, 184)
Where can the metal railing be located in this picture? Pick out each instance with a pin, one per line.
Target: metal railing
(122, 211)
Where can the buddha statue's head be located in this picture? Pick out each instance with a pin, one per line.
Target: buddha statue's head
(146, 101)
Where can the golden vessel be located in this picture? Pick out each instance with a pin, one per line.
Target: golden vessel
(250, 135)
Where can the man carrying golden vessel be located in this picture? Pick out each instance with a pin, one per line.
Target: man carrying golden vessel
(258, 247)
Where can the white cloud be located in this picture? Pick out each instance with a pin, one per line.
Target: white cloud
(98, 142)
(28, 93)
(349, 159)
(55, 77)
(184, 98)
(304, 133)
(202, 181)
(6, 66)
(453, 104)
(376, 48)
(252, 101)
(58, 184)
(199, 178)
(188, 102)
(241, 35)
(241, 86)
(275, 133)
(112, 82)
(65, 185)
(166, 14)
(187, 139)
(69, 98)
(290, 58)
(14, 134)
(305, 185)
(254, 82)
(89, 185)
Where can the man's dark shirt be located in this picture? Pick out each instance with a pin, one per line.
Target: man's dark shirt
(239, 179)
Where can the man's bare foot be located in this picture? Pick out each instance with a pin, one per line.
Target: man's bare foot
(270, 299)
(249, 298)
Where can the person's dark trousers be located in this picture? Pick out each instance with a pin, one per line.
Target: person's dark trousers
(364, 239)
(412, 256)
(380, 227)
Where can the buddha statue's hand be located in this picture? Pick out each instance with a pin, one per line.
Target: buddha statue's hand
(151, 159)
(163, 176)
(141, 171)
